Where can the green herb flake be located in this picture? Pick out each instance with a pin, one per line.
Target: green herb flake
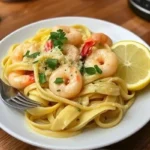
(59, 80)
(58, 38)
(82, 70)
(26, 54)
(90, 70)
(58, 90)
(52, 63)
(33, 55)
(42, 78)
(98, 69)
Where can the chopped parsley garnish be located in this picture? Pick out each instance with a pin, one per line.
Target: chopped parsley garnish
(82, 70)
(33, 55)
(98, 69)
(58, 38)
(52, 63)
(26, 54)
(59, 80)
(90, 70)
(42, 78)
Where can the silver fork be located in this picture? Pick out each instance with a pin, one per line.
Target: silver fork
(13, 98)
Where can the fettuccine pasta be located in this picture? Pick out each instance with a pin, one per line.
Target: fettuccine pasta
(70, 71)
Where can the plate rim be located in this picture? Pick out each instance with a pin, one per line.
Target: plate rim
(34, 143)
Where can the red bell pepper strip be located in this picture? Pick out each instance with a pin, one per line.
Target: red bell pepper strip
(48, 46)
(87, 48)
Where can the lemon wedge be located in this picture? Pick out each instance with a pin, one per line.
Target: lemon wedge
(134, 64)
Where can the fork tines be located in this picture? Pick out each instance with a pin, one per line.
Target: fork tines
(23, 101)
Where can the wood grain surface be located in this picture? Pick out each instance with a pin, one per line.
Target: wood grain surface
(17, 14)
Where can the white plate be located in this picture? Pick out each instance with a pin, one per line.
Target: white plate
(13, 122)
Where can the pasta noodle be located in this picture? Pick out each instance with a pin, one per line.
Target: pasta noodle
(102, 101)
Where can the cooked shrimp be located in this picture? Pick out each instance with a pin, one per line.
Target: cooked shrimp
(20, 50)
(71, 52)
(72, 81)
(101, 38)
(19, 80)
(73, 35)
(105, 60)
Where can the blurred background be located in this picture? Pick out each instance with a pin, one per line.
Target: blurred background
(17, 13)
(132, 15)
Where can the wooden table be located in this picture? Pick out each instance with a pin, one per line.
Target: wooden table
(15, 15)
